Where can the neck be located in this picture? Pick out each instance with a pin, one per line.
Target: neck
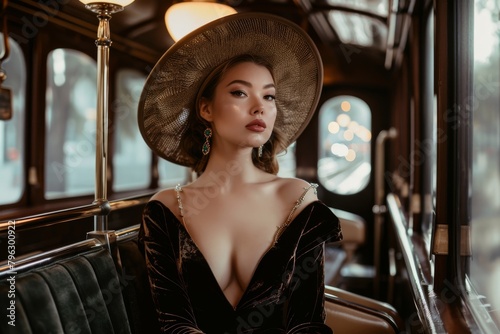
(230, 171)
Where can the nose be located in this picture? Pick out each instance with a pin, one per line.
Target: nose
(256, 105)
(259, 109)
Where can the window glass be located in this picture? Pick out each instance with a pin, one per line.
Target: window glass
(485, 216)
(70, 116)
(172, 174)
(378, 7)
(12, 131)
(287, 163)
(132, 157)
(344, 135)
(358, 29)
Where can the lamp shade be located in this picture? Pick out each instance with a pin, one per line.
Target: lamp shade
(184, 17)
(122, 3)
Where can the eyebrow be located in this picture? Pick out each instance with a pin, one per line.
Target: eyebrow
(248, 84)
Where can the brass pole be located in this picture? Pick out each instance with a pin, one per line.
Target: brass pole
(103, 42)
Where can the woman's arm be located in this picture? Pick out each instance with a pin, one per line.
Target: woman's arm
(305, 310)
(160, 247)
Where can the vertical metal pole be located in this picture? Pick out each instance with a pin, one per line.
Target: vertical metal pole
(103, 42)
(379, 208)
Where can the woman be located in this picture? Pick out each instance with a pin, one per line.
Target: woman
(238, 250)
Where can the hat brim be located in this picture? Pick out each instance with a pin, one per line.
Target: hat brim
(171, 88)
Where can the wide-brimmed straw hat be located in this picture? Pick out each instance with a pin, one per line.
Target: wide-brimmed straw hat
(171, 89)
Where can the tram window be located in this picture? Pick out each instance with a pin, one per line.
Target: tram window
(358, 29)
(12, 130)
(484, 271)
(287, 163)
(70, 116)
(344, 135)
(171, 174)
(377, 7)
(132, 157)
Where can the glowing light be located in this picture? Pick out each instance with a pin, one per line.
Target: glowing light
(184, 17)
(339, 150)
(122, 3)
(351, 155)
(353, 126)
(343, 120)
(333, 127)
(363, 133)
(345, 106)
(348, 135)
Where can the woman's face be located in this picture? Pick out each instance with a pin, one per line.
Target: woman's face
(243, 110)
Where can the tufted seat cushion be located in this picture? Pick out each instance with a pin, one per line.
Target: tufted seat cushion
(80, 294)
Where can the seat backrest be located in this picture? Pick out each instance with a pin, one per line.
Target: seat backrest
(367, 302)
(347, 316)
(137, 294)
(353, 230)
(80, 293)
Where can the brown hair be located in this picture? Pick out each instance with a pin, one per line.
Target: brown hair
(193, 138)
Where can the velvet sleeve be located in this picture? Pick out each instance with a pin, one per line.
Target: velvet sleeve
(305, 310)
(159, 241)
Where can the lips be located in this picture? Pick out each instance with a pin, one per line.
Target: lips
(257, 125)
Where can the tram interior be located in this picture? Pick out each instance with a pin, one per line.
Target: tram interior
(69, 224)
(376, 29)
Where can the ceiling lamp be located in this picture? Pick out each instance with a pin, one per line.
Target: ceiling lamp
(183, 17)
(121, 3)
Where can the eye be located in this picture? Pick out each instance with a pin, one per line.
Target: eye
(238, 93)
(270, 97)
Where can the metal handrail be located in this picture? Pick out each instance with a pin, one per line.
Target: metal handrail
(425, 306)
(40, 259)
(62, 216)
(127, 233)
(43, 258)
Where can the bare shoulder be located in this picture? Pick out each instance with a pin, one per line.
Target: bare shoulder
(167, 197)
(293, 189)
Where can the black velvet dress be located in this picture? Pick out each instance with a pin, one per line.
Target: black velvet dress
(285, 294)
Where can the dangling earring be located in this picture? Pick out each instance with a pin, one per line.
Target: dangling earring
(259, 152)
(205, 149)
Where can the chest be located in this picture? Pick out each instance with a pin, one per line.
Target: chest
(235, 224)
(221, 281)
(233, 235)
(233, 249)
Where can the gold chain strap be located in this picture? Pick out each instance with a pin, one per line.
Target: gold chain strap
(297, 204)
